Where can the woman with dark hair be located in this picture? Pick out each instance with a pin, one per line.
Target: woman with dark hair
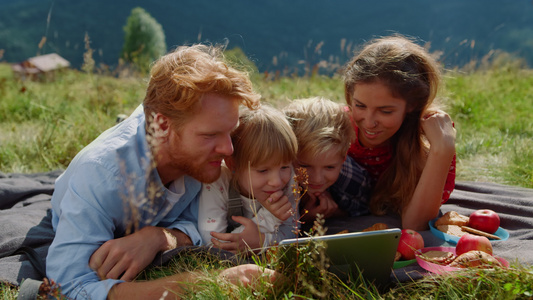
(403, 139)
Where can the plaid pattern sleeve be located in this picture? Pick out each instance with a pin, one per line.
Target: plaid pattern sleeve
(352, 189)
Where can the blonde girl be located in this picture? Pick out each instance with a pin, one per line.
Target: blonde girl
(260, 173)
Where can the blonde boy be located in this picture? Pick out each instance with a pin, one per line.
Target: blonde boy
(324, 132)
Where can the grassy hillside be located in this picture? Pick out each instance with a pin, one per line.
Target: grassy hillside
(289, 31)
(44, 124)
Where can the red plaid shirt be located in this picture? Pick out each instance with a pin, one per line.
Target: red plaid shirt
(377, 160)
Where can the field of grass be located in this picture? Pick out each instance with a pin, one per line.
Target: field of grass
(44, 124)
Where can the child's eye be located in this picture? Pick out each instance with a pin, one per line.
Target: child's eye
(387, 112)
(262, 170)
(285, 167)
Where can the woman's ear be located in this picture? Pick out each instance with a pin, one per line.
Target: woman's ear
(160, 126)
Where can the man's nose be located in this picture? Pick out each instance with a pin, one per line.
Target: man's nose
(225, 147)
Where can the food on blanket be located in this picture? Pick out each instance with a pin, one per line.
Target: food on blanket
(475, 258)
(452, 230)
(485, 220)
(438, 257)
(452, 218)
(377, 226)
(469, 242)
(397, 256)
(410, 241)
(455, 224)
(479, 232)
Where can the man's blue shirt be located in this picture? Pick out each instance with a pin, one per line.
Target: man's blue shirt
(111, 187)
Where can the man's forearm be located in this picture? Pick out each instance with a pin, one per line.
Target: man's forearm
(174, 285)
(176, 238)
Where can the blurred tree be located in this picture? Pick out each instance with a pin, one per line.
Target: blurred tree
(238, 59)
(144, 40)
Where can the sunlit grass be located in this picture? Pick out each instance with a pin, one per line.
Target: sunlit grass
(491, 109)
(44, 124)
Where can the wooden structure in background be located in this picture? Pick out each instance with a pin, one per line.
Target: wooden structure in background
(40, 67)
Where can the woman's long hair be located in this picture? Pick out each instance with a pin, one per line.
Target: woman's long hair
(410, 73)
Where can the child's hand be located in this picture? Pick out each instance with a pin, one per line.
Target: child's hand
(278, 204)
(249, 239)
(320, 203)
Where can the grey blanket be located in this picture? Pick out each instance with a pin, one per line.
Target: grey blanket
(25, 221)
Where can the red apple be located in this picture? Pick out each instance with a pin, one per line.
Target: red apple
(485, 220)
(469, 242)
(410, 241)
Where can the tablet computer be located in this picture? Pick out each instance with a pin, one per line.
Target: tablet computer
(370, 253)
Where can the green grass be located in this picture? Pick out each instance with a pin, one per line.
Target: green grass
(491, 110)
(44, 124)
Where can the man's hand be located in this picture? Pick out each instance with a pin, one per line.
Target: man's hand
(249, 238)
(278, 205)
(320, 203)
(125, 257)
(247, 275)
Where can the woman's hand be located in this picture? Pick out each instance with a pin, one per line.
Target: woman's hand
(440, 132)
(427, 197)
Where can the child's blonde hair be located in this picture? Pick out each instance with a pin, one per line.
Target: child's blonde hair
(320, 125)
(263, 135)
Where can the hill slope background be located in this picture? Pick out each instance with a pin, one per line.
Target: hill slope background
(275, 34)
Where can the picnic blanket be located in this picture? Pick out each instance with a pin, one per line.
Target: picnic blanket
(514, 205)
(25, 221)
